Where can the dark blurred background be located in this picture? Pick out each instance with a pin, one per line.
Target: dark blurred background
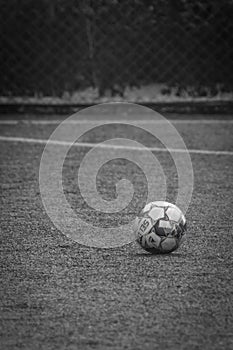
(108, 47)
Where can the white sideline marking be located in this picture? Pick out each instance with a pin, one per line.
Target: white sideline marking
(91, 144)
(105, 121)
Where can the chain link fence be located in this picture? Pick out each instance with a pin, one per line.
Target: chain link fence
(111, 47)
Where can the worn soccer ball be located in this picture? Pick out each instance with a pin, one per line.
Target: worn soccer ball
(160, 227)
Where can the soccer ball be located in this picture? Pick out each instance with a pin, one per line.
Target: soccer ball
(160, 227)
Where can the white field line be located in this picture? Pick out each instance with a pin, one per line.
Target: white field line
(106, 121)
(111, 146)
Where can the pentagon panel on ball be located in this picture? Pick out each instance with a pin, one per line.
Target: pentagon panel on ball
(160, 228)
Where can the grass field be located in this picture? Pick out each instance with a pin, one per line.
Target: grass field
(57, 294)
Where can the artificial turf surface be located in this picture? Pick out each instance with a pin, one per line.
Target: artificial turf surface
(57, 294)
